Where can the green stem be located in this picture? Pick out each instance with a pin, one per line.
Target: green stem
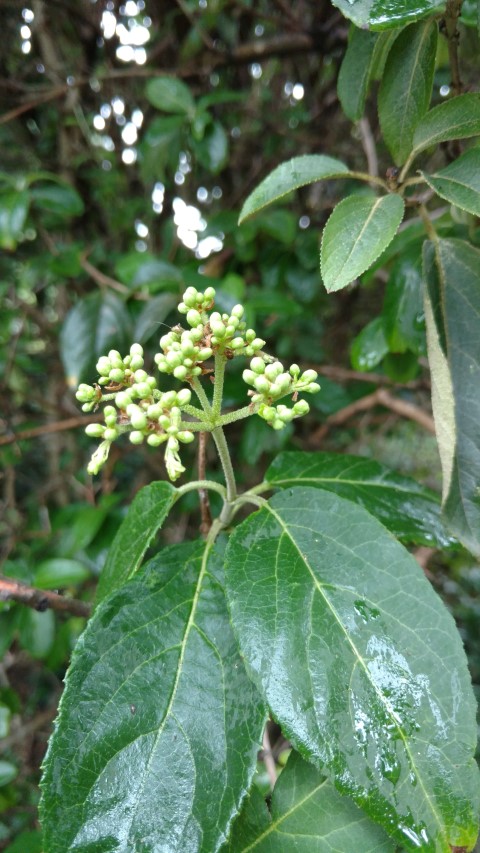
(223, 452)
(431, 233)
(262, 487)
(220, 362)
(369, 179)
(237, 415)
(194, 412)
(202, 484)
(198, 388)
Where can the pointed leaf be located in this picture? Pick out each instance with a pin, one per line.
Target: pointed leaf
(452, 273)
(144, 519)
(158, 730)
(409, 510)
(360, 663)
(402, 314)
(355, 72)
(170, 95)
(358, 230)
(385, 14)
(406, 86)
(458, 118)
(308, 816)
(370, 346)
(459, 182)
(152, 316)
(290, 176)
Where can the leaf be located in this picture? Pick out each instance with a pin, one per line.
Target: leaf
(308, 816)
(458, 118)
(355, 72)
(13, 213)
(151, 319)
(31, 841)
(403, 314)
(360, 663)
(144, 518)
(8, 772)
(289, 176)
(358, 230)
(212, 150)
(406, 86)
(61, 200)
(137, 270)
(410, 511)
(369, 347)
(384, 14)
(60, 572)
(96, 324)
(459, 182)
(156, 741)
(452, 273)
(170, 95)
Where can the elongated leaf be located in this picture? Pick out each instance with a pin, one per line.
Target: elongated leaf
(455, 119)
(409, 510)
(92, 327)
(385, 14)
(307, 816)
(459, 182)
(144, 519)
(358, 230)
(61, 200)
(156, 740)
(370, 346)
(406, 86)
(360, 663)
(403, 314)
(290, 176)
(13, 213)
(355, 72)
(170, 95)
(452, 272)
(151, 320)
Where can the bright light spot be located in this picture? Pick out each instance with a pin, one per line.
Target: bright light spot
(118, 106)
(107, 143)
(147, 21)
(27, 15)
(120, 120)
(26, 46)
(158, 194)
(141, 228)
(105, 111)
(255, 70)
(140, 55)
(99, 123)
(208, 245)
(40, 68)
(203, 4)
(129, 155)
(25, 32)
(137, 35)
(188, 220)
(157, 208)
(108, 23)
(110, 5)
(125, 53)
(259, 30)
(444, 90)
(298, 92)
(179, 178)
(70, 80)
(129, 133)
(202, 194)
(137, 118)
(131, 8)
(217, 192)
(141, 246)
(288, 88)
(106, 165)
(214, 79)
(141, 5)
(304, 222)
(95, 85)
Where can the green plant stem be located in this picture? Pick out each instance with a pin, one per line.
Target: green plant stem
(220, 362)
(369, 179)
(431, 233)
(452, 12)
(196, 485)
(194, 412)
(238, 415)
(198, 388)
(406, 166)
(223, 452)
(262, 487)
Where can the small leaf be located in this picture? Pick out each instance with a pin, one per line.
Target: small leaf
(403, 313)
(308, 816)
(459, 182)
(138, 270)
(360, 663)
(13, 213)
(290, 176)
(458, 118)
(358, 230)
(59, 199)
(170, 95)
(212, 149)
(159, 726)
(355, 72)
(406, 86)
(409, 510)
(144, 518)
(60, 572)
(92, 327)
(369, 347)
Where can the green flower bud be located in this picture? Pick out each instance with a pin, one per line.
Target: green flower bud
(196, 371)
(99, 457)
(249, 377)
(190, 297)
(122, 399)
(197, 333)
(209, 294)
(136, 437)
(110, 434)
(278, 423)
(95, 430)
(184, 396)
(313, 388)
(238, 311)
(257, 344)
(181, 373)
(142, 390)
(164, 422)
(273, 370)
(185, 436)
(136, 362)
(187, 346)
(136, 349)
(193, 318)
(250, 335)
(117, 374)
(174, 359)
(154, 411)
(308, 376)
(168, 399)
(237, 343)
(301, 408)
(140, 375)
(154, 440)
(87, 407)
(262, 385)
(85, 393)
(110, 415)
(114, 355)
(257, 364)
(138, 419)
(104, 366)
(217, 328)
(204, 353)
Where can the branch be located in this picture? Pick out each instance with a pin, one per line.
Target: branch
(57, 426)
(452, 12)
(40, 599)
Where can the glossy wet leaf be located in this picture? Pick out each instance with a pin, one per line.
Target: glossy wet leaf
(452, 274)
(459, 182)
(360, 663)
(158, 730)
(355, 72)
(406, 86)
(96, 324)
(289, 176)
(170, 95)
(409, 510)
(369, 347)
(384, 14)
(402, 314)
(144, 518)
(307, 816)
(13, 213)
(358, 230)
(458, 118)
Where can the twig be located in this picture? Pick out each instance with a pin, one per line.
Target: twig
(205, 511)
(58, 426)
(452, 13)
(368, 145)
(268, 758)
(102, 279)
(40, 599)
(334, 371)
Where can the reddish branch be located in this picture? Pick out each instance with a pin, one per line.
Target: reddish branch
(57, 426)
(40, 599)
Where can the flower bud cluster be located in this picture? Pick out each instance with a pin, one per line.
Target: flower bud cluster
(270, 382)
(183, 353)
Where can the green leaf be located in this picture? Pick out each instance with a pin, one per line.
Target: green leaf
(459, 182)
(26, 841)
(13, 213)
(406, 86)
(452, 273)
(37, 632)
(159, 726)
(7, 772)
(170, 95)
(61, 200)
(458, 118)
(60, 572)
(403, 313)
(410, 511)
(308, 816)
(93, 326)
(152, 317)
(138, 270)
(384, 14)
(369, 347)
(358, 230)
(360, 663)
(355, 72)
(290, 176)
(144, 519)
(212, 150)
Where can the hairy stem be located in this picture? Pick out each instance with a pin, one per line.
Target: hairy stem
(223, 452)
(199, 391)
(220, 362)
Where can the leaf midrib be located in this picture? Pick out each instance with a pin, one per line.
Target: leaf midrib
(276, 823)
